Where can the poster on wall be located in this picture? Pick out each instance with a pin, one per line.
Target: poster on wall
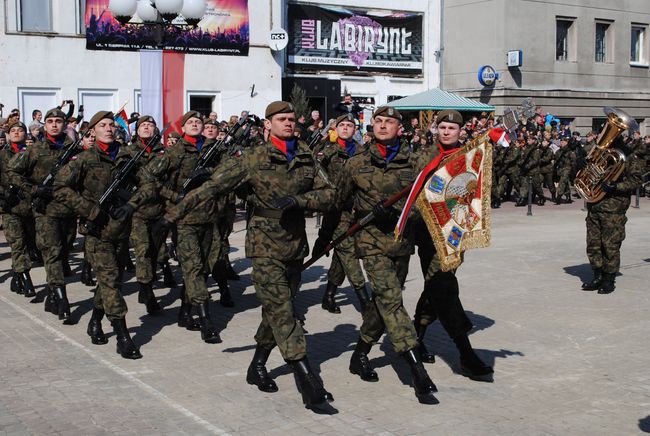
(224, 30)
(336, 38)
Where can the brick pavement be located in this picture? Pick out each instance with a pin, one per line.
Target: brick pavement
(566, 361)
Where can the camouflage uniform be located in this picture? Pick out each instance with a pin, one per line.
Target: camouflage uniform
(56, 229)
(565, 161)
(529, 167)
(510, 170)
(80, 184)
(546, 169)
(498, 154)
(276, 242)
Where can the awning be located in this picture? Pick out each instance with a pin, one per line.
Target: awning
(437, 99)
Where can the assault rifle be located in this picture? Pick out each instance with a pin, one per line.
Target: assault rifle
(39, 203)
(211, 154)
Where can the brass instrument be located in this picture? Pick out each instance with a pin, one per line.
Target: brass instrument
(604, 163)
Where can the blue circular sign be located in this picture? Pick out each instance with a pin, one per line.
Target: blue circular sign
(487, 75)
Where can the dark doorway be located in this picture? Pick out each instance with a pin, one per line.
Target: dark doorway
(323, 94)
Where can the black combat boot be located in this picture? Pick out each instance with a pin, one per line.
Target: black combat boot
(168, 276)
(185, 318)
(359, 363)
(67, 271)
(471, 365)
(87, 274)
(595, 282)
(311, 388)
(62, 301)
(421, 330)
(16, 284)
(208, 332)
(328, 302)
(94, 329)
(553, 196)
(51, 303)
(608, 284)
(362, 296)
(147, 297)
(257, 374)
(230, 271)
(225, 298)
(28, 286)
(125, 346)
(521, 201)
(558, 199)
(541, 201)
(568, 199)
(424, 387)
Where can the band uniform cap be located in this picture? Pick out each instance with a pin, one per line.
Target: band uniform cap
(278, 107)
(144, 119)
(100, 116)
(190, 114)
(17, 124)
(387, 111)
(450, 116)
(346, 117)
(55, 113)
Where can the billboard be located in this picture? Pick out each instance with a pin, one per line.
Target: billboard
(336, 38)
(224, 30)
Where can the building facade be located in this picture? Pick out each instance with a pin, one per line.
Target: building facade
(577, 56)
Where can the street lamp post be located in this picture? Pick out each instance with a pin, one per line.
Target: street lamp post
(158, 14)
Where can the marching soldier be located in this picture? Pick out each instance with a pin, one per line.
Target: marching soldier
(283, 183)
(510, 170)
(546, 167)
(80, 184)
(332, 157)
(498, 154)
(440, 298)
(16, 213)
(529, 167)
(384, 168)
(565, 161)
(56, 225)
(606, 220)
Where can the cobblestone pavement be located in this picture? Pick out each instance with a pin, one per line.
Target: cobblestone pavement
(566, 361)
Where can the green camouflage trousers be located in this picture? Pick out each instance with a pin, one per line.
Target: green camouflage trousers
(547, 178)
(276, 283)
(193, 250)
(54, 237)
(387, 311)
(344, 261)
(16, 234)
(503, 183)
(145, 258)
(537, 186)
(103, 256)
(220, 246)
(564, 183)
(605, 234)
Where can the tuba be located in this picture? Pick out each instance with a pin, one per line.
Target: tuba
(604, 163)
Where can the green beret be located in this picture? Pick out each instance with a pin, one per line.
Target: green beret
(98, 117)
(17, 124)
(55, 113)
(212, 122)
(450, 116)
(144, 119)
(387, 111)
(278, 107)
(346, 117)
(191, 114)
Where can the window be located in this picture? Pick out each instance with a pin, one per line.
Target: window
(42, 99)
(638, 47)
(81, 27)
(564, 39)
(603, 43)
(36, 15)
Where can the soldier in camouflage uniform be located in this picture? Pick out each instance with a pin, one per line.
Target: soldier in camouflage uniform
(606, 220)
(498, 154)
(529, 167)
(80, 184)
(332, 156)
(146, 255)
(16, 213)
(565, 161)
(546, 167)
(510, 170)
(367, 179)
(283, 183)
(440, 298)
(56, 226)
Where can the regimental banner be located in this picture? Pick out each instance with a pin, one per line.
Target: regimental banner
(455, 202)
(224, 30)
(335, 38)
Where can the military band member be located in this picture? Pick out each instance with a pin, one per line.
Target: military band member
(56, 226)
(367, 179)
(332, 157)
(16, 213)
(282, 182)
